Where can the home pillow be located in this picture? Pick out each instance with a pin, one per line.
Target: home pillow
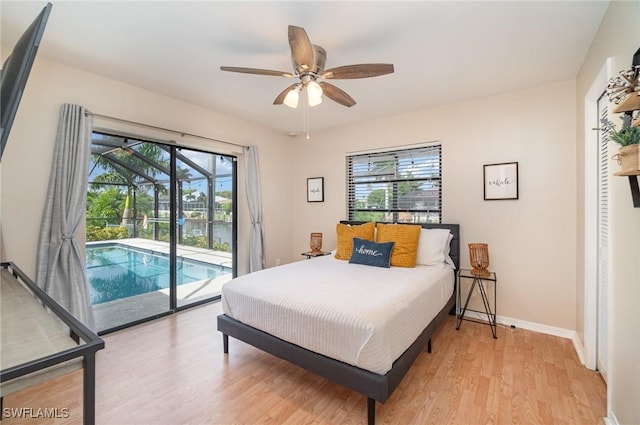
(406, 237)
(371, 253)
(432, 248)
(346, 233)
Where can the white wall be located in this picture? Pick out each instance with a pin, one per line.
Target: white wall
(26, 162)
(618, 38)
(531, 240)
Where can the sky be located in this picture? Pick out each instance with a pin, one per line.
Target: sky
(221, 164)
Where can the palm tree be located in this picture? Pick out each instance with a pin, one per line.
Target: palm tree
(117, 174)
(190, 194)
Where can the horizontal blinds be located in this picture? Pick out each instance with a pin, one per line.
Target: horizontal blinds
(402, 181)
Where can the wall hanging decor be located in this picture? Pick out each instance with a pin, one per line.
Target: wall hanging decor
(315, 189)
(501, 181)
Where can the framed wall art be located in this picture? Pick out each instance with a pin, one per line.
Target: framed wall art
(315, 189)
(501, 181)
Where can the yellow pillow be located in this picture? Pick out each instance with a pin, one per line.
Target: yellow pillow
(346, 233)
(406, 237)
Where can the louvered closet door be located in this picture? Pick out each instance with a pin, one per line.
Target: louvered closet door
(603, 239)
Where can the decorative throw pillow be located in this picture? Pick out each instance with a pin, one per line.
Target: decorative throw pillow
(432, 248)
(346, 233)
(406, 237)
(371, 253)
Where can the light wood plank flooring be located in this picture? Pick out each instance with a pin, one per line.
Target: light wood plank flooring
(172, 371)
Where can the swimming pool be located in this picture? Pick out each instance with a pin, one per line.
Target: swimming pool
(117, 271)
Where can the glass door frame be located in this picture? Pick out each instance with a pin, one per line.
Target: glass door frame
(174, 205)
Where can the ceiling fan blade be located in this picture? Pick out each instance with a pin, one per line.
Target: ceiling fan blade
(364, 70)
(256, 71)
(336, 94)
(280, 98)
(301, 48)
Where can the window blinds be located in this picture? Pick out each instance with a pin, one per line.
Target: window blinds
(401, 185)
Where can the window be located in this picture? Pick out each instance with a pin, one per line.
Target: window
(400, 186)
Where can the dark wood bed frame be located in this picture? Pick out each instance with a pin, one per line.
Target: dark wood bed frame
(374, 386)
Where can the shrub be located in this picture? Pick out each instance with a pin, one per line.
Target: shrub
(95, 233)
(197, 241)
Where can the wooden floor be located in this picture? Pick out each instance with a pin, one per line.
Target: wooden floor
(173, 371)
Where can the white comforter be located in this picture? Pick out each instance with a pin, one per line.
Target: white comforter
(362, 315)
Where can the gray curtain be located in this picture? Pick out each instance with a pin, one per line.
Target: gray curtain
(256, 239)
(61, 265)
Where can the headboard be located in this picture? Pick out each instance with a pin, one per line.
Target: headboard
(453, 228)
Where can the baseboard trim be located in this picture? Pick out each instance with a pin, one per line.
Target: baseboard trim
(611, 419)
(536, 327)
(577, 345)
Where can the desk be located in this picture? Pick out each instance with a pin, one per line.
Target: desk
(310, 254)
(34, 346)
(479, 283)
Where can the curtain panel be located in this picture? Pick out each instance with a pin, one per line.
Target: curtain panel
(254, 199)
(61, 269)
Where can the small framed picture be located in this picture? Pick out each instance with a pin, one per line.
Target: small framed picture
(501, 181)
(315, 189)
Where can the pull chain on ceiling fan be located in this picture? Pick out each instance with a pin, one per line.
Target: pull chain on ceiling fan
(308, 63)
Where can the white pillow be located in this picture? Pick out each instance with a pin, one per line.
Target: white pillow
(433, 247)
(447, 251)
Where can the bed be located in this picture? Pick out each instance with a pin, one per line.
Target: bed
(368, 346)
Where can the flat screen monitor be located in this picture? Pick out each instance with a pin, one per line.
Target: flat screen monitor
(15, 72)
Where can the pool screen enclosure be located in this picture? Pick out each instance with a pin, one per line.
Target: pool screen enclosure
(176, 202)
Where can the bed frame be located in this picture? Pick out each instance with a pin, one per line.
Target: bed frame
(374, 386)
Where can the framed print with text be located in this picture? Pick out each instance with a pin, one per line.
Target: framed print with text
(501, 181)
(315, 189)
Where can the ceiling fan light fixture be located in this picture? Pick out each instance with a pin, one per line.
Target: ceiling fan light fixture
(313, 101)
(314, 91)
(308, 62)
(291, 99)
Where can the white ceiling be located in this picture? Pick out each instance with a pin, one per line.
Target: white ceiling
(443, 51)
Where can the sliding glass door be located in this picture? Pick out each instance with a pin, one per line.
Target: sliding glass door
(161, 228)
(205, 224)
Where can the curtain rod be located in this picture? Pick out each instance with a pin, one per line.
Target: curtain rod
(182, 133)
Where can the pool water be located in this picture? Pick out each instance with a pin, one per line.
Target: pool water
(117, 271)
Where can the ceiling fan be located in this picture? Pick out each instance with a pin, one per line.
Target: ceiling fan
(308, 63)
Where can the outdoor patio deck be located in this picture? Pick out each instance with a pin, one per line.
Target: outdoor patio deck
(191, 252)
